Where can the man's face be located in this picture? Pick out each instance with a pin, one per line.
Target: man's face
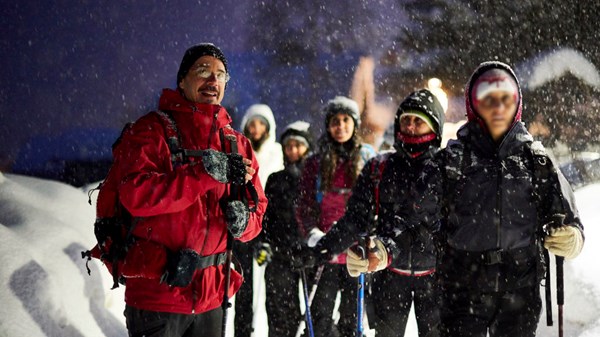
(413, 126)
(256, 129)
(497, 109)
(209, 90)
(294, 150)
(341, 127)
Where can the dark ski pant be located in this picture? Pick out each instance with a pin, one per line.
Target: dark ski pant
(335, 277)
(244, 253)
(391, 298)
(470, 313)
(282, 304)
(165, 324)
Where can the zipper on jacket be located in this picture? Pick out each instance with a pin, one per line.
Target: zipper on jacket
(498, 217)
(213, 129)
(194, 296)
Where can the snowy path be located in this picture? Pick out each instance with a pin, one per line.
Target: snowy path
(45, 290)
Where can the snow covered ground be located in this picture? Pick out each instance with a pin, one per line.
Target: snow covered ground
(45, 289)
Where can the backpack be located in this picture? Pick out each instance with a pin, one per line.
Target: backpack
(114, 225)
(377, 167)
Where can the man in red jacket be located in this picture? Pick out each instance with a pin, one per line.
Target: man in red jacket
(181, 209)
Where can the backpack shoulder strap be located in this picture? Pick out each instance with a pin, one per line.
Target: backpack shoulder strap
(542, 182)
(377, 167)
(172, 136)
(319, 193)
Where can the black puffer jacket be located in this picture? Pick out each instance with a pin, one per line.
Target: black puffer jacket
(408, 239)
(280, 228)
(489, 191)
(484, 193)
(490, 214)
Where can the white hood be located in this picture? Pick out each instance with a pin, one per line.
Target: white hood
(270, 156)
(264, 111)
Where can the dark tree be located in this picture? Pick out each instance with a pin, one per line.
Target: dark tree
(453, 36)
(311, 49)
(449, 38)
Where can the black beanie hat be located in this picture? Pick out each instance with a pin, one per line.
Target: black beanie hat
(423, 101)
(194, 53)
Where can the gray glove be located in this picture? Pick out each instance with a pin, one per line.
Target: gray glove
(236, 217)
(224, 167)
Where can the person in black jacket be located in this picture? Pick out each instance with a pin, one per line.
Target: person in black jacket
(499, 197)
(281, 240)
(382, 204)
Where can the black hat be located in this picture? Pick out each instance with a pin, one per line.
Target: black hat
(298, 130)
(341, 104)
(194, 53)
(423, 101)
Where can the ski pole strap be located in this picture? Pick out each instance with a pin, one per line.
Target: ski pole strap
(376, 175)
(253, 194)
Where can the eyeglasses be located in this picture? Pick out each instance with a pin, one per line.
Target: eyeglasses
(203, 71)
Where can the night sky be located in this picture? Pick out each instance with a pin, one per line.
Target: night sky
(98, 64)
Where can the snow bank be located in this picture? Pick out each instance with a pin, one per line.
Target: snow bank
(45, 290)
(44, 226)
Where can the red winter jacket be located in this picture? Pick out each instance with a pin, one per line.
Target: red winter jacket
(177, 207)
(311, 213)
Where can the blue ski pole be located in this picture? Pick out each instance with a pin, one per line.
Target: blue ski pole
(313, 291)
(307, 316)
(360, 303)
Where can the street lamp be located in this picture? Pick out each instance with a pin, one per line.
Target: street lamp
(435, 86)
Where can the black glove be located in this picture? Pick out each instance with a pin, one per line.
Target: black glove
(225, 167)
(180, 268)
(309, 257)
(236, 217)
(263, 253)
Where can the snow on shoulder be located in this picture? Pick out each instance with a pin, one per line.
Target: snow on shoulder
(44, 225)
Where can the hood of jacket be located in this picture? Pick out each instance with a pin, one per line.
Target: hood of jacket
(472, 114)
(265, 112)
(424, 101)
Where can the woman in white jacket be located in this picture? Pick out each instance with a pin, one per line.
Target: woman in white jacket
(258, 125)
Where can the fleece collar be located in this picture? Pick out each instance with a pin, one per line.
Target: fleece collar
(173, 100)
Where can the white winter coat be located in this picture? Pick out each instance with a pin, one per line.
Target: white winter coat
(270, 156)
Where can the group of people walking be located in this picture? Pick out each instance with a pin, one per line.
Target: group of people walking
(455, 232)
